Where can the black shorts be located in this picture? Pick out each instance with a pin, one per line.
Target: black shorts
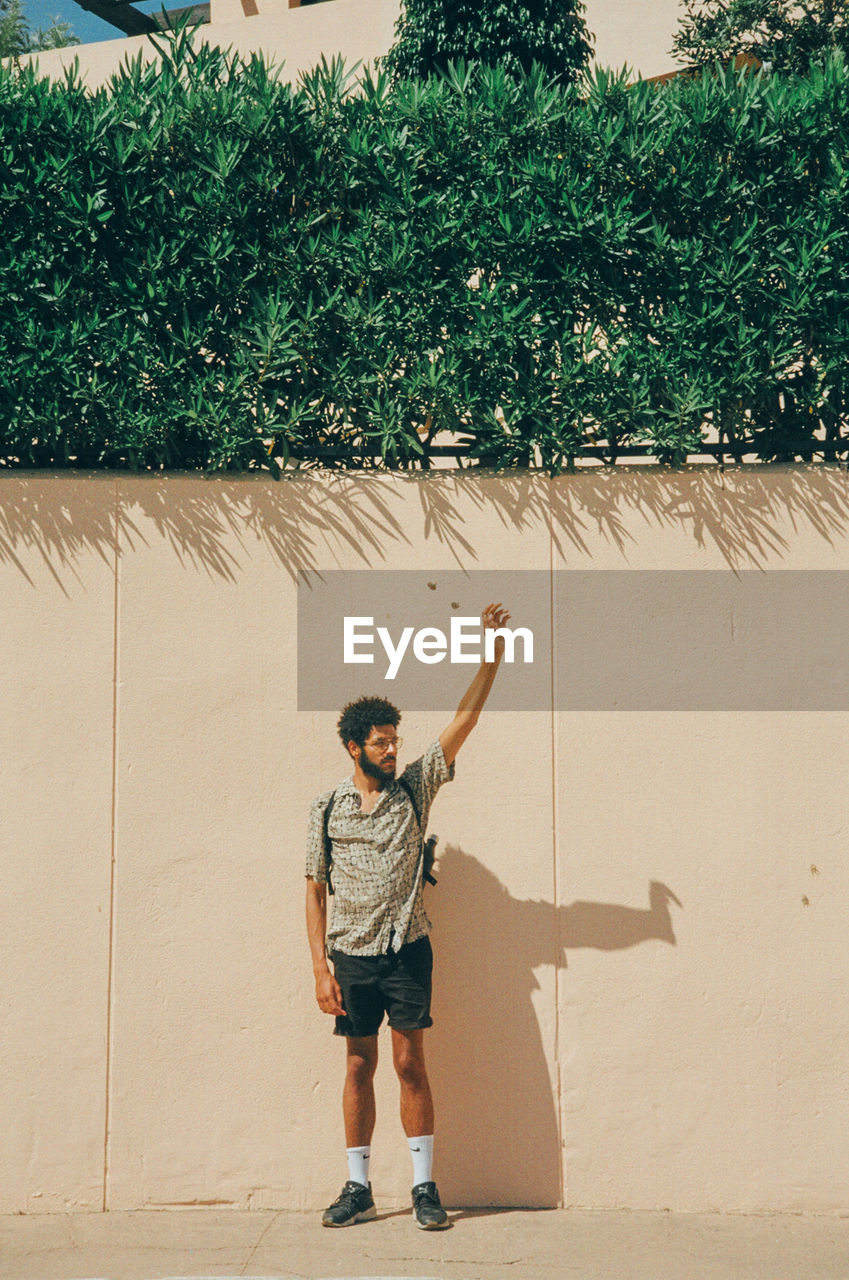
(397, 983)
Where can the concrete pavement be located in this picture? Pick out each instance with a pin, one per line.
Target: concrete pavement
(481, 1245)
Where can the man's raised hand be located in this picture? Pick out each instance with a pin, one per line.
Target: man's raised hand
(471, 703)
(494, 617)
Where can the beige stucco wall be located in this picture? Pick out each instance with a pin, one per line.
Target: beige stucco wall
(162, 1045)
(633, 32)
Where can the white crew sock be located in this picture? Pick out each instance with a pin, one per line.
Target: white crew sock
(358, 1158)
(421, 1149)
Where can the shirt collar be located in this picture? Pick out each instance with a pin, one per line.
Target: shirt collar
(349, 788)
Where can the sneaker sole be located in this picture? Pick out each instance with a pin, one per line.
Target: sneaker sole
(433, 1226)
(365, 1216)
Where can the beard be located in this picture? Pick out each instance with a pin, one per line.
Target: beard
(380, 772)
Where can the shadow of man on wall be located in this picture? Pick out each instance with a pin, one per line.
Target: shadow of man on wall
(489, 1057)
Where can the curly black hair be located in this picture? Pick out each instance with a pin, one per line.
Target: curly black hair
(358, 719)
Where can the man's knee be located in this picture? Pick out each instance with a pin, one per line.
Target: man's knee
(362, 1059)
(408, 1058)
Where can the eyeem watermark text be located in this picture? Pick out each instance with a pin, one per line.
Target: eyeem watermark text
(430, 644)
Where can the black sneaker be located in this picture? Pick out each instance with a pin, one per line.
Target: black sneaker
(429, 1213)
(353, 1204)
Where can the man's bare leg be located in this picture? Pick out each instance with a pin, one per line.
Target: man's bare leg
(417, 1119)
(358, 1105)
(356, 1203)
(416, 1099)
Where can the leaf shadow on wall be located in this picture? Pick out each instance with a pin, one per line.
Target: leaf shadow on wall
(309, 519)
(745, 514)
(214, 526)
(300, 521)
(495, 1099)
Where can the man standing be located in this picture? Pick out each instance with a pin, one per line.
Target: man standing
(378, 940)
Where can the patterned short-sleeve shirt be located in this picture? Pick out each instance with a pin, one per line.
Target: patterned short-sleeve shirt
(377, 871)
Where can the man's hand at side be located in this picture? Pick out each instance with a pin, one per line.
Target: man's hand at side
(327, 991)
(328, 994)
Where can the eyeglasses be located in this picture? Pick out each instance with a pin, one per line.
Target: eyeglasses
(383, 744)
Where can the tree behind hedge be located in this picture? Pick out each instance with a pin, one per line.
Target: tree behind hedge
(511, 34)
(17, 35)
(787, 35)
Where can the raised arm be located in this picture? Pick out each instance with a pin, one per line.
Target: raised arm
(471, 704)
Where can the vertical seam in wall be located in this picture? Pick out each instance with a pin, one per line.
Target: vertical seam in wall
(107, 1125)
(555, 878)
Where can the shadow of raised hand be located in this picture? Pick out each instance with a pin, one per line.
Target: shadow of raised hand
(610, 927)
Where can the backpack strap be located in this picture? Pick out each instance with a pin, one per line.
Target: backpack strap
(409, 790)
(328, 844)
(428, 846)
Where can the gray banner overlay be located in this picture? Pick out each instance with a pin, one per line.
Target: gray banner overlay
(602, 640)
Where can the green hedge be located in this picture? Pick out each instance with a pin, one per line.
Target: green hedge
(203, 267)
